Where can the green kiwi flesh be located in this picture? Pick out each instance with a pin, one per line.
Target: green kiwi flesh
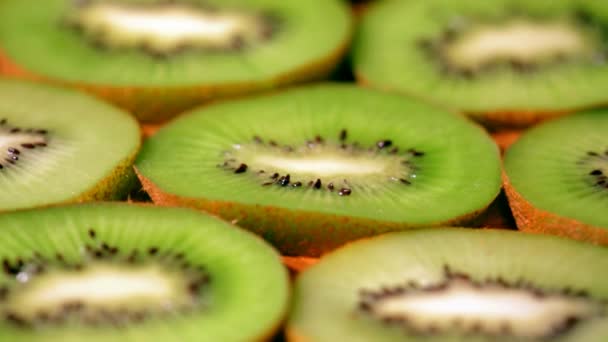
(506, 56)
(101, 272)
(162, 52)
(313, 167)
(562, 167)
(60, 146)
(454, 285)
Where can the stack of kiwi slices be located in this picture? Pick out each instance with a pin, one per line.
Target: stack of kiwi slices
(158, 57)
(557, 177)
(454, 285)
(504, 62)
(119, 272)
(311, 168)
(59, 146)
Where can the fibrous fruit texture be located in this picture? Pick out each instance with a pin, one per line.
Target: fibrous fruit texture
(506, 62)
(556, 177)
(313, 167)
(454, 285)
(117, 272)
(157, 57)
(59, 146)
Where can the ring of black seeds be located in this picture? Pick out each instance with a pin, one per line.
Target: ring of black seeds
(36, 265)
(37, 138)
(383, 146)
(270, 24)
(368, 298)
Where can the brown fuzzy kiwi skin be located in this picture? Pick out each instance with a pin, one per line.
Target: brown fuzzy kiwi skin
(157, 104)
(534, 220)
(293, 232)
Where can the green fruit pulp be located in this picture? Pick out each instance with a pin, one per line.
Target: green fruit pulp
(551, 166)
(459, 173)
(32, 34)
(326, 295)
(388, 55)
(86, 140)
(247, 292)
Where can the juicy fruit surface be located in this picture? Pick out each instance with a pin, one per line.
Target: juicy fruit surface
(328, 296)
(85, 255)
(507, 55)
(118, 53)
(57, 144)
(561, 167)
(444, 167)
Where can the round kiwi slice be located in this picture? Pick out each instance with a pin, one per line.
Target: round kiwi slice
(505, 62)
(313, 167)
(59, 146)
(556, 177)
(101, 272)
(454, 285)
(157, 58)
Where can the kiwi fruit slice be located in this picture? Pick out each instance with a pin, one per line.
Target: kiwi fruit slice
(454, 285)
(556, 177)
(60, 146)
(100, 272)
(505, 62)
(158, 57)
(313, 167)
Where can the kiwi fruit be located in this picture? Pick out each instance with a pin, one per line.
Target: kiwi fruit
(59, 146)
(159, 57)
(312, 167)
(556, 177)
(101, 272)
(505, 62)
(454, 285)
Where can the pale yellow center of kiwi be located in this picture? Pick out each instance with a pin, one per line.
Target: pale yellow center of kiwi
(485, 309)
(518, 41)
(99, 287)
(164, 28)
(325, 166)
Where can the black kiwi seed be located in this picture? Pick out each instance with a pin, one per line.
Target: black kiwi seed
(330, 186)
(317, 184)
(92, 233)
(405, 181)
(297, 184)
(596, 172)
(153, 250)
(344, 192)
(241, 169)
(284, 180)
(593, 154)
(343, 135)
(13, 150)
(384, 143)
(28, 145)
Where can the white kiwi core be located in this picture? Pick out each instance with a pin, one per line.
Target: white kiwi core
(100, 287)
(323, 165)
(519, 41)
(167, 27)
(489, 309)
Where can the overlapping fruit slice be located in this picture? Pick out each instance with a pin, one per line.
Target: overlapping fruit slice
(59, 146)
(101, 272)
(313, 167)
(557, 177)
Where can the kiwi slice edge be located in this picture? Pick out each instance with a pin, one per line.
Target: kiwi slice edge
(157, 101)
(66, 139)
(341, 287)
(329, 218)
(90, 239)
(554, 177)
